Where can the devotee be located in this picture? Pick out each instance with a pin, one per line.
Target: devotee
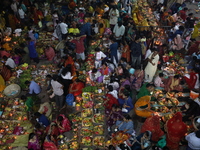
(49, 52)
(63, 124)
(118, 32)
(145, 90)
(113, 51)
(33, 142)
(9, 62)
(32, 50)
(34, 88)
(42, 119)
(193, 140)
(158, 81)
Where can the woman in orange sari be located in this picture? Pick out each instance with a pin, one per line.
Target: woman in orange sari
(176, 130)
(173, 83)
(126, 51)
(153, 124)
(69, 60)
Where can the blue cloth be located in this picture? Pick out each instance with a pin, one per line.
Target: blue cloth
(32, 50)
(113, 51)
(43, 120)
(34, 88)
(125, 126)
(127, 102)
(136, 49)
(86, 29)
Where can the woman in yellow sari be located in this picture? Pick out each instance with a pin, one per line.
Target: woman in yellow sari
(142, 107)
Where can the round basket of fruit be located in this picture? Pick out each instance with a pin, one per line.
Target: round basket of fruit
(98, 118)
(87, 141)
(99, 141)
(98, 129)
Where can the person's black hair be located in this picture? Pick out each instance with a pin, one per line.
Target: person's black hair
(161, 74)
(128, 87)
(126, 93)
(37, 114)
(23, 97)
(27, 82)
(97, 49)
(127, 116)
(101, 25)
(55, 77)
(123, 59)
(60, 118)
(182, 28)
(177, 76)
(185, 8)
(31, 135)
(22, 45)
(38, 126)
(147, 133)
(149, 84)
(190, 14)
(5, 57)
(110, 88)
(111, 147)
(137, 38)
(115, 106)
(197, 133)
(48, 76)
(94, 70)
(165, 148)
(66, 70)
(105, 64)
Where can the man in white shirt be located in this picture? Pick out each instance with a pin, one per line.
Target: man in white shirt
(99, 55)
(158, 81)
(21, 13)
(193, 140)
(57, 92)
(119, 31)
(64, 30)
(9, 62)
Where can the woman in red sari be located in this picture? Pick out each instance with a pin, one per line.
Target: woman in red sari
(153, 124)
(176, 130)
(49, 143)
(49, 52)
(63, 124)
(76, 87)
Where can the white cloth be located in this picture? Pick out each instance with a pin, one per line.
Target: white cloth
(63, 27)
(197, 101)
(113, 14)
(94, 76)
(150, 69)
(158, 81)
(115, 85)
(67, 76)
(100, 55)
(114, 93)
(197, 82)
(160, 2)
(21, 13)
(193, 141)
(10, 62)
(14, 7)
(119, 31)
(148, 52)
(57, 88)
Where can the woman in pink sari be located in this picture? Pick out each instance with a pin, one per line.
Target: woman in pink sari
(49, 52)
(63, 123)
(137, 78)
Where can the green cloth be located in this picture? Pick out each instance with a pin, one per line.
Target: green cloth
(143, 91)
(29, 103)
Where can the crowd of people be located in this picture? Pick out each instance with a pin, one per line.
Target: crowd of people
(127, 60)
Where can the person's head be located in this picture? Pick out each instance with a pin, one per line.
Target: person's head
(27, 82)
(37, 114)
(48, 77)
(181, 28)
(97, 49)
(94, 70)
(190, 14)
(120, 66)
(38, 126)
(23, 97)
(147, 134)
(5, 58)
(126, 94)
(185, 9)
(127, 117)
(55, 77)
(150, 87)
(60, 118)
(114, 107)
(104, 65)
(177, 76)
(137, 39)
(66, 70)
(110, 88)
(197, 133)
(32, 136)
(119, 23)
(161, 75)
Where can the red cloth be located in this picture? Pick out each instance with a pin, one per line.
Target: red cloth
(193, 48)
(54, 131)
(79, 45)
(65, 124)
(4, 53)
(111, 100)
(49, 146)
(6, 73)
(153, 124)
(191, 81)
(183, 15)
(77, 86)
(176, 130)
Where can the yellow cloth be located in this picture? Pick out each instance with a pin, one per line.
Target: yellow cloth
(146, 112)
(195, 33)
(174, 83)
(74, 31)
(21, 140)
(2, 84)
